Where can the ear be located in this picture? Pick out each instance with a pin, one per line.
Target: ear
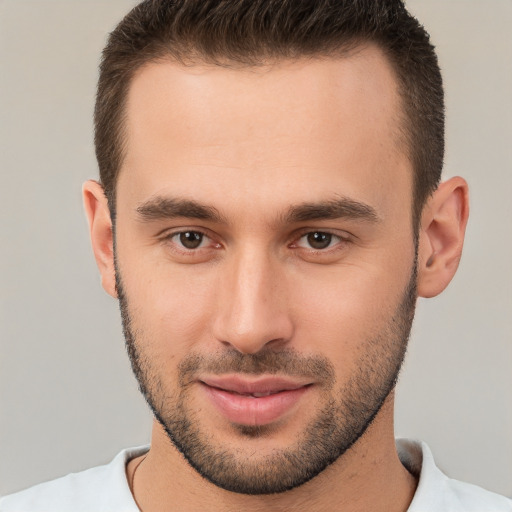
(100, 229)
(442, 228)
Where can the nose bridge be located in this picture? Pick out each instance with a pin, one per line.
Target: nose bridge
(251, 308)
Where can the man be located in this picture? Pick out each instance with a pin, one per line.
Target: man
(268, 213)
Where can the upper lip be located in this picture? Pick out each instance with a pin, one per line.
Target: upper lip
(248, 386)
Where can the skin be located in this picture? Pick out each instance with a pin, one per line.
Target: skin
(252, 143)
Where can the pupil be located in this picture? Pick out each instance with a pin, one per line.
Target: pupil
(319, 240)
(191, 239)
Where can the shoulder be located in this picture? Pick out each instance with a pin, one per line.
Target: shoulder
(103, 488)
(436, 492)
(471, 498)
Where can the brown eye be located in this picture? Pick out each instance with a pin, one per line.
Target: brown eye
(319, 240)
(191, 239)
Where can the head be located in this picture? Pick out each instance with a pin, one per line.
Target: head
(270, 170)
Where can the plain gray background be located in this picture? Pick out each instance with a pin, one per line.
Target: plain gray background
(68, 400)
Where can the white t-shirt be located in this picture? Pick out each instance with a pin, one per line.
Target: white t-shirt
(105, 488)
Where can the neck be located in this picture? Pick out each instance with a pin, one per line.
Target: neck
(369, 476)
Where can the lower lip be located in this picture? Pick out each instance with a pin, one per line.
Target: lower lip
(247, 410)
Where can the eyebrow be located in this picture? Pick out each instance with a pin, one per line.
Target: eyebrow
(161, 208)
(338, 208)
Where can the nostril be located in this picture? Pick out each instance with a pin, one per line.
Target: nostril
(253, 344)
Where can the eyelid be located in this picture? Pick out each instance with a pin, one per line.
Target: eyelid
(343, 236)
(169, 233)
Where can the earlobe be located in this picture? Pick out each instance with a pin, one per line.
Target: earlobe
(100, 230)
(441, 236)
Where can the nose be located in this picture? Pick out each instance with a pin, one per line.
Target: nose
(252, 308)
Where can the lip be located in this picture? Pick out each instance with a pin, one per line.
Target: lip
(257, 401)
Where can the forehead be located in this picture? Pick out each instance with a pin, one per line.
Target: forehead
(332, 121)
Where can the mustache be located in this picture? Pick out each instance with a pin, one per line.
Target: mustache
(269, 362)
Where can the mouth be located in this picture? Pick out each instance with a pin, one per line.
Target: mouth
(258, 401)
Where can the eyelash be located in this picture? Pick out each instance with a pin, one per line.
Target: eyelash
(184, 250)
(336, 240)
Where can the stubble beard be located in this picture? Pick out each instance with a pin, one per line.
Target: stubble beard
(347, 411)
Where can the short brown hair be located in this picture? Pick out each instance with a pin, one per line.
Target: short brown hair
(251, 32)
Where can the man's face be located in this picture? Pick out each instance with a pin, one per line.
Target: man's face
(265, 260)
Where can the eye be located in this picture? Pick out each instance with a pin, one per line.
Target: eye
(318, 240)
(189, 239)
(190, 245)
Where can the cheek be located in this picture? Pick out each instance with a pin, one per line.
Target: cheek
(340, 315)
(171, 308)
